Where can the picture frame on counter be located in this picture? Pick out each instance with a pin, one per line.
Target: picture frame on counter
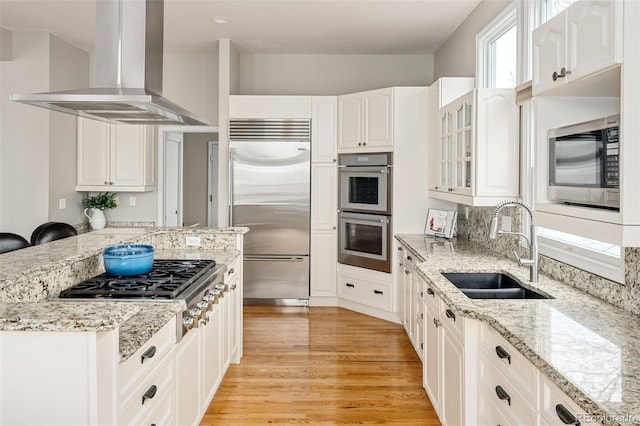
(441, 223)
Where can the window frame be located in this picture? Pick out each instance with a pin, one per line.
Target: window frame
(502, 23)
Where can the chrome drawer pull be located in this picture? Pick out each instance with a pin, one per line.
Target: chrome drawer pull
(150, 393)
(565, 416)
(502, 394)
(502, 354)
(149, 353)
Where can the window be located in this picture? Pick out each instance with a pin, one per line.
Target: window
(552, 7)
(496, 51)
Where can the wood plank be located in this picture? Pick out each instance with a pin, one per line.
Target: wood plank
(321, 365)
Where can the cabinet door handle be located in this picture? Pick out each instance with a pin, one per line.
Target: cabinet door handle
(359, 143)
(421, 316)
(431, 292)
(450, 314)
(350, 285)
(502, 394)
(233, 286)
(378, 292)
(406, 271)
(563, 73)
(565, 416)
(502, 354)
(150, 393)
(436, 323)
(148, 354)
(409, 258)
(400, 248)
(231, 271)
(422, 294)
(333, 227)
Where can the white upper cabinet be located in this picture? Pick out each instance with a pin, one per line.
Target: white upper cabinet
(583, 39)
(115, 157)
(477, 150)
(365, 121)
(324, 127)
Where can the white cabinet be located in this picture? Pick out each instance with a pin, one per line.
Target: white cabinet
(365, 121)
(211, 363)
(324, 125)
(115, 157)
(188, 379)
(366, 289)
(323, 265)
(324, 201)
(477, 159)
(444, 363)
(583, 39)
(233, 279)
(557, 409)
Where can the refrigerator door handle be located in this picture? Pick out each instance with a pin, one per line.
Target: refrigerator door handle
(274, 258)
(232, 152)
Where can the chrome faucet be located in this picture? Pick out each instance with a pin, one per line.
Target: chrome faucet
(533, 243)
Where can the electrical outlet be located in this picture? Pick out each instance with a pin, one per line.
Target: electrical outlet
(193, 241)
(505, 224)
(62, 203)
(132, 201)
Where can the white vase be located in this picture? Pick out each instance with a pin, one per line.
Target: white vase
(97, 219)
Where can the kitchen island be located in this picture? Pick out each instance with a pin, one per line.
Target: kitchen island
(587, 348)
(88, 361)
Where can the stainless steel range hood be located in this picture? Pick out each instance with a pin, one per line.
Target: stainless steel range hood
(127, 70)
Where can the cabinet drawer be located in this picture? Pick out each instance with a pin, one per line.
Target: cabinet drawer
(370, 294)
(496, 389)
(138, 366)
(161, 413)
(148, 397)
(515, 367)
(451, 320)
(555, 403)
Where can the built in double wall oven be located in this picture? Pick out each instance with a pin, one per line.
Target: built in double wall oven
(365, 210)
(584, 163)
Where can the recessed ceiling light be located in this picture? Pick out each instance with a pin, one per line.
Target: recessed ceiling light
(220, 20)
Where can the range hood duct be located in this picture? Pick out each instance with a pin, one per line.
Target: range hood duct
(127, 70)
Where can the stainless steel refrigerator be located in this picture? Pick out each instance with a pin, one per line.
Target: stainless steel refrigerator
(270, 194)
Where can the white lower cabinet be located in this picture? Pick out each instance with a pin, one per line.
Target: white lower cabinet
(188, 382)
(444, 366)
(365, 287)
(556, 408)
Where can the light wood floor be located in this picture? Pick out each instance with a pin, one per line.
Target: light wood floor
(322, 366)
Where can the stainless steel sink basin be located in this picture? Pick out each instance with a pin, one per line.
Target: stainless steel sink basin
(490, 285)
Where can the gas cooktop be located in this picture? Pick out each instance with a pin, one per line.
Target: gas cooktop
(167, 279)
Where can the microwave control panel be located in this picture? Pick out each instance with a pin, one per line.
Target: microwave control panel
(612, 169)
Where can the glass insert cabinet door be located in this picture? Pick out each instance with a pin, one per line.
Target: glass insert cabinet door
(456, 146)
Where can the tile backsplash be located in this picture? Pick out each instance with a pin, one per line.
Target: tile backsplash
(473, 225)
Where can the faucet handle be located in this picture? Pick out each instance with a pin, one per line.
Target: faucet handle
(523, 262)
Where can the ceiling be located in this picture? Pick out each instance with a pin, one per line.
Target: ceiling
(266, 26)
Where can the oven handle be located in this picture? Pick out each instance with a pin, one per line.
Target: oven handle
(274, 258)
(356, 218)
(368, 169)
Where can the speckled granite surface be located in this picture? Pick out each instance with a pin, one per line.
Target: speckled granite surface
(31, 279)
(589, 348)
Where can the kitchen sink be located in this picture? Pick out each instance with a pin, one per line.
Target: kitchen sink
(490, 285)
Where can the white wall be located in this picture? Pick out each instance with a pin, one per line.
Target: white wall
(24, 137)
(330, 74)
(457, 56)
(191, 81)
(69, 68)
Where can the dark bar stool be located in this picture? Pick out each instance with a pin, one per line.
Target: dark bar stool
(51, 231)
(10, 242)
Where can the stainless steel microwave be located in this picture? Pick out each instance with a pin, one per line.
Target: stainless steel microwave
(584, 163)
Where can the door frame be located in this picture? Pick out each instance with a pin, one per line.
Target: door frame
(162, 131)
(179, 138)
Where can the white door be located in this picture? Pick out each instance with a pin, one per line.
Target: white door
(212, 203)
(173, 179)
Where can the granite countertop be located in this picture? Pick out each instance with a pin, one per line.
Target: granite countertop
(135, 320)
(589, 348)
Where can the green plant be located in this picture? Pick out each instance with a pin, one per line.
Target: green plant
(102, 200)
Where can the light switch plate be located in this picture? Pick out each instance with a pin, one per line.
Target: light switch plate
(193, 241)
(62, 203)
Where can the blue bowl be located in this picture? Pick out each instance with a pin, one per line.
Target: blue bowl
(128, 260)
